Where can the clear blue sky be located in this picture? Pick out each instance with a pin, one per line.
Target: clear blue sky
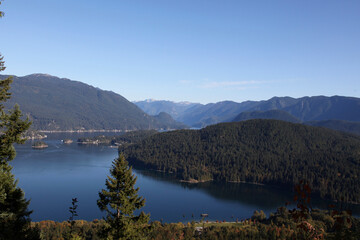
(189, 50)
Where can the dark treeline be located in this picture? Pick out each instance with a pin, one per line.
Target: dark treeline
(317, 224)
(261, 151)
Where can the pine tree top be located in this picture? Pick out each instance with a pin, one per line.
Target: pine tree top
(120, 199)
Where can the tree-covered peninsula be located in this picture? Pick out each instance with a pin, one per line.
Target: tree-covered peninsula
(258, 151)
(124, 139)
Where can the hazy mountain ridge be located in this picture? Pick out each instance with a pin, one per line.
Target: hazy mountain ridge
(212, 113)
(271, 114)
(317, 108)
(154, 107)
(339, 125)
(54, 103)
(195, 114)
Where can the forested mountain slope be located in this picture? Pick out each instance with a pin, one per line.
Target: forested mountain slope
(261, 151)
(315, 108)
(339, 125)
(212, 113)
(271, 114)
(54, 103)
(165, 120)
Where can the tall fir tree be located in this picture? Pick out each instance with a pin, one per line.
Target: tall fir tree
(1, 14)
(14, 214)
(120, 199)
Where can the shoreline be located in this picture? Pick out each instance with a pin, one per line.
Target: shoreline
(84, 131)
(101, 130)
(40, 147)
(254, 183)
(210, 180)
(196, 181)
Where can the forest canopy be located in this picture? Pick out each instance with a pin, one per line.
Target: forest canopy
(260, 151)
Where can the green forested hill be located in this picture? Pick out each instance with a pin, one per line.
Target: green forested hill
(54, 103)
(261, 151)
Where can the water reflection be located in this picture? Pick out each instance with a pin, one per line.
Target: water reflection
(265, 197)
(53, 176)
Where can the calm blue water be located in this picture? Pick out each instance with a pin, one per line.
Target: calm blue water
(53, 176)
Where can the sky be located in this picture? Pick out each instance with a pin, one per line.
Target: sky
(188, 50)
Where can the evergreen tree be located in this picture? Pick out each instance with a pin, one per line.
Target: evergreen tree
(1, 14)
(14, 216)
(14, 213)
(120, 200)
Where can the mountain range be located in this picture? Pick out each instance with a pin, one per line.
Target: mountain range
(53, 103)
(154, 107)
(344, 112)
(271, 114)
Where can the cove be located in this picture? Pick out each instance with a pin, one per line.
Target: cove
(51, 177)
